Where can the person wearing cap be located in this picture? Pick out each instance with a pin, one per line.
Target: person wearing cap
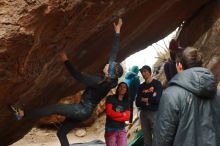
(189, 110)
(133, 82)
(148, 97)
(97, 88)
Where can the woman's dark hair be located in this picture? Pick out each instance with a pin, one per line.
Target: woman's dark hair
(189, 58)
(126, 96)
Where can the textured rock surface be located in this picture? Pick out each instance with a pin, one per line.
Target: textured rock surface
(209, 44)
(32, 31)
(203, 34)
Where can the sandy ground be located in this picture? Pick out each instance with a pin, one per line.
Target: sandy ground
(39, 137)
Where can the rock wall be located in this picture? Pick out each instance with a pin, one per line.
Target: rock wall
(201, 33)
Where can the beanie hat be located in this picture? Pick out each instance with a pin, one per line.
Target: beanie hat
(115, 70)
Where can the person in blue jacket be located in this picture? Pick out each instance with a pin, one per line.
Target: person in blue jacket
(97, 87)
(133, 82)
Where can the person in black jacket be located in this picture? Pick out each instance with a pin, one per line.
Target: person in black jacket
(170, 66)
(97, 88)
(189, 108)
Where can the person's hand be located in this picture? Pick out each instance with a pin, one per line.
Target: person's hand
(117, 26)
(63, 56)
(124, 114)
(145, 100)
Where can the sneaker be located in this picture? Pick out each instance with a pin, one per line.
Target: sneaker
(16, 111)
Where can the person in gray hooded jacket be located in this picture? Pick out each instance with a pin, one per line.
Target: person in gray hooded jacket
(189, 110)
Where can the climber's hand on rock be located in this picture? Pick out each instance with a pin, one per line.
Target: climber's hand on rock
(63, 57)
(117, 26)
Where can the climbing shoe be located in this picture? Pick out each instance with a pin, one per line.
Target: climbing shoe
(16, 111)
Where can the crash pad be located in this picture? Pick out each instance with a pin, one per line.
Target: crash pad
(91, 143)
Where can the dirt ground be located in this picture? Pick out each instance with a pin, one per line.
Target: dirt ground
(45, 137)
